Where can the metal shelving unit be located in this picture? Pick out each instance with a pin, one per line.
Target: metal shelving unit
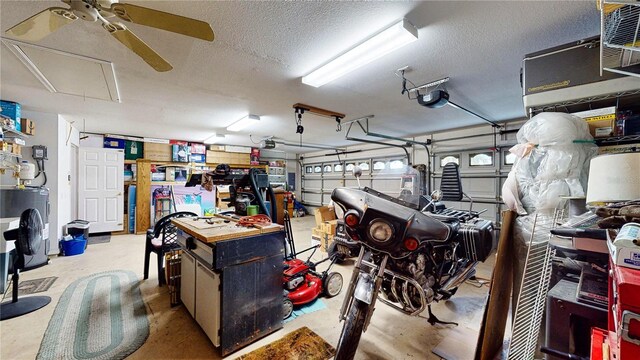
(620, 34)
(8, 132)
(618, 140)
(9, 160)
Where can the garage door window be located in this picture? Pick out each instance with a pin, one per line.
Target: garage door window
(481, 159)
(364, 165)
(448, 159)
(337, 168)
(396, 164)
(379, 165)
(327, 168)
(509, 158)
(317, 169)
(308, 170)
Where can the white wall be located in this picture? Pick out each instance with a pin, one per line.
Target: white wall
(68, 140)
(59, 136)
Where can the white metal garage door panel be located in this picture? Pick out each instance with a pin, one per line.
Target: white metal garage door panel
(312, 184)
(313, 199)
(479, 187)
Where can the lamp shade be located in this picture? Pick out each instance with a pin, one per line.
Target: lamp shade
(613, 178)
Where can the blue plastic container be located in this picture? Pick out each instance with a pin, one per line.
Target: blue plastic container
(73, 247)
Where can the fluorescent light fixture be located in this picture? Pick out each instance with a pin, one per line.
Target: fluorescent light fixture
(213, 139)
(384, 42)
(244, 123)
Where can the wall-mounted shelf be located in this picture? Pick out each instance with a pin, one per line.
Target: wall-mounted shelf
(175, 183)
(14, 133)
(7, 154)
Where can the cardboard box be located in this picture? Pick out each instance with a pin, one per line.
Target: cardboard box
(255, 156)
(600, 128)
(222, 157)
(16, 149)
(326, 241)
(27, 126)
(197, 148)
(180, 153)
(198, 158)
(329, 227)
(324, 213)
(602, 122)
(170, 173)
(157, 152)
(11, 110)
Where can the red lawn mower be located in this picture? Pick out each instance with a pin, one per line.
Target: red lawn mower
(302, 283)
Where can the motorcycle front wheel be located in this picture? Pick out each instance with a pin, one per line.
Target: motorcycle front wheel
(352, 330)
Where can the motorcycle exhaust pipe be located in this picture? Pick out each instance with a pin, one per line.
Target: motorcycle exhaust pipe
(461, 275)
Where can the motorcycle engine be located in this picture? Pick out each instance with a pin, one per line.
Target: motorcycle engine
(418, 267)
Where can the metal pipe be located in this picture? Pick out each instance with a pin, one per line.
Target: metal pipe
(358, 119)
(310, 146)
(414, 142)
(362, 150)
(403, 147)
(502, 132)
(451, 103)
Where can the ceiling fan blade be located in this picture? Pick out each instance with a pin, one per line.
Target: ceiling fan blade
(130, 40)
(42, 24)
(163, 20)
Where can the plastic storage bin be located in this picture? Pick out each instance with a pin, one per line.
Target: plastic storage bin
(73, 247)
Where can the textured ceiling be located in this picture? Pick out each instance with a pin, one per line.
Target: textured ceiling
(263, 48)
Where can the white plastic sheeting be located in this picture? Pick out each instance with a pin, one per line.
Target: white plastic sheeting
(553, 154)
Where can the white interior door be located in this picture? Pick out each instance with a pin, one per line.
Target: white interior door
(101, 188)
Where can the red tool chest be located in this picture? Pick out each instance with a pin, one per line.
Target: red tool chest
(624, 311)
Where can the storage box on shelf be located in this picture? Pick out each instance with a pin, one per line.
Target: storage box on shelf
(11, 110)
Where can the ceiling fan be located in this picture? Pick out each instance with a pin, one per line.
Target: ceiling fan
(46, 22)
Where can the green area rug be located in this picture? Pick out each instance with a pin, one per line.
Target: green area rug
(101, 316)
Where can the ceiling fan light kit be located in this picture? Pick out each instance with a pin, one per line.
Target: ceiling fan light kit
(50, 20)
(378, 45)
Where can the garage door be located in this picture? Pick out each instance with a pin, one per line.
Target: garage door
(320, 178)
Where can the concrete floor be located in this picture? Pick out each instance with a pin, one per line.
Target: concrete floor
(175, 335)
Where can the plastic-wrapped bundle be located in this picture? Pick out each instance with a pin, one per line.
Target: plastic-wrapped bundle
(553, 157)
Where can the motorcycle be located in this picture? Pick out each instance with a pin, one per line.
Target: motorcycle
(414, 252)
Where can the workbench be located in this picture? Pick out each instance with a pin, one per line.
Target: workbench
(231, 279)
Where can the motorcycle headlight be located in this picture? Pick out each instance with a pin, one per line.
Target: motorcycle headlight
(380, 231)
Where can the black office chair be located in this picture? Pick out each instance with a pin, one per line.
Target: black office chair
(28, 237)
(160, 240)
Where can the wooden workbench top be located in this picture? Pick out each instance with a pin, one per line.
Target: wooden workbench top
(222, 228)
